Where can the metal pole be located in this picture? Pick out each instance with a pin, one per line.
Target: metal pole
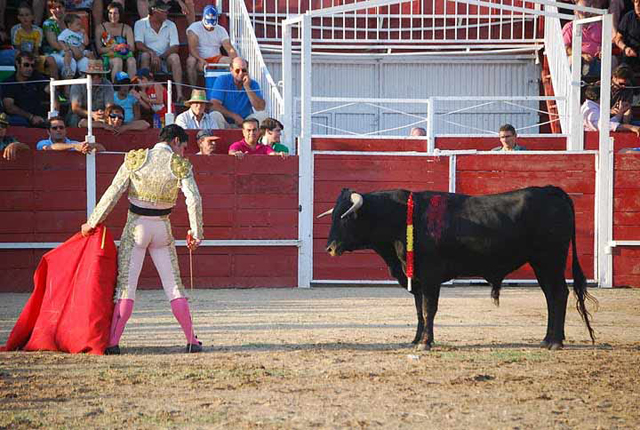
(287, 89)
(89, 138)
(576, 133)
(305, 165)
(431, 140)
(169, 117)
(52, 99)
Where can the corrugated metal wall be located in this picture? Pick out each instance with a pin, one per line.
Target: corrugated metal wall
(412, 78)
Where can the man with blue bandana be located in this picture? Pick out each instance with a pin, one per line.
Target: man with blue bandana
(205, 39)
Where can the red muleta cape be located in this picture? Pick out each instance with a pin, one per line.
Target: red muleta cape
(72, 302)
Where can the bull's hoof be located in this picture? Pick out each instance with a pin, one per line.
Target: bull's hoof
(423, 347)
(544, 344)
(554, 346)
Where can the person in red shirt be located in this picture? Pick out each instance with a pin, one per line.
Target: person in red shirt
(250, 145)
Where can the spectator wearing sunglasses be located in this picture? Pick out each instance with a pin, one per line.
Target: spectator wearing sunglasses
(115, 121)
(25, 93)
(58, 140)
(238, 97)
(8, 144)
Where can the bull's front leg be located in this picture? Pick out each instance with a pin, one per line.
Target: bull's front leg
(417, 297)
(429, 310)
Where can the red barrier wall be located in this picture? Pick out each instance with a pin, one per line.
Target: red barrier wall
(626, 219)
(43, 199)
(475, 175)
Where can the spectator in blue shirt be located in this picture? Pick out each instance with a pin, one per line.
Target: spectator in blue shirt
(236, 96)
(58, 140)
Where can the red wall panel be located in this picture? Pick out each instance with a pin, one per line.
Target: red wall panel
(626, 219)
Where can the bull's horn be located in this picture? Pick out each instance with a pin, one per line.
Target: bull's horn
(357, 201)
(329, 212)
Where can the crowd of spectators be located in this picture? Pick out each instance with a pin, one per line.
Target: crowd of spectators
(63, 39)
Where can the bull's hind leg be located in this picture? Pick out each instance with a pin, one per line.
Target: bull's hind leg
(551, 279)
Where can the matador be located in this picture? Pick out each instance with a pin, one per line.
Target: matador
(152, 178)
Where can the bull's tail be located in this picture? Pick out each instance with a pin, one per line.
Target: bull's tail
(579, 280)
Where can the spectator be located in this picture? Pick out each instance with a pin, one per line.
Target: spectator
(591, 41)
(197, 117)
(205, 39)
(270, 134)
(29, 38)
(508, 138)
(124, 98)
(52, 28)
(621, 79)
(115, 121)
(236, 95)
(101, 97)
(628, 36)
(206, 142)
(95, 6)
(58, 140)
(185, 7)
(8, 144)
(74, 43)
(157, 41)
(151, 95)
(590, 110)
(25, 94)
(115, 42)
(417, 132)
(250, 145)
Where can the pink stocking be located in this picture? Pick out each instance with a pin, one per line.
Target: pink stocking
(180, 308)
(121, 314)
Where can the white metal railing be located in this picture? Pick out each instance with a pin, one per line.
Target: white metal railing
(558, 66)
(440, 116)
(443, 22)
(244, 40)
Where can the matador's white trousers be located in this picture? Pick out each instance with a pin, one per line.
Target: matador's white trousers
(153, 233)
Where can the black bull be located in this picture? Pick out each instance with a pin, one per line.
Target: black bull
(458, 235)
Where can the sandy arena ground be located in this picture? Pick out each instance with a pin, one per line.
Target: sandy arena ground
(338, 358)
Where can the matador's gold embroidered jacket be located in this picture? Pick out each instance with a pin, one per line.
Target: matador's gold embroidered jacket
(153, 177)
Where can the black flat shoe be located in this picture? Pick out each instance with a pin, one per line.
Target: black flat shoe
(112, 350)
(194, 347)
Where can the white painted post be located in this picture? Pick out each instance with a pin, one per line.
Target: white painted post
(287, 89)
(89, 138)
(169, 116)
(52, 99)
(576, 132)
(305, 165)
(604, 172)
(91, 182)
(431, 140)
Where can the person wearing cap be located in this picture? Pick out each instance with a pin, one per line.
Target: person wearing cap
(175, 6)
(237, 96)
(205, 39)
(101, 97)
(151, 95)
(125, 98)
(157, 42)
(196, 117)
(9, 145)
(152, 178)
(206, 142)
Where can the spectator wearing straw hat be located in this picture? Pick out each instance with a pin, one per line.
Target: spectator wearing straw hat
(9, 145)
(101, 96)
(25, 93)
(197, 117)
